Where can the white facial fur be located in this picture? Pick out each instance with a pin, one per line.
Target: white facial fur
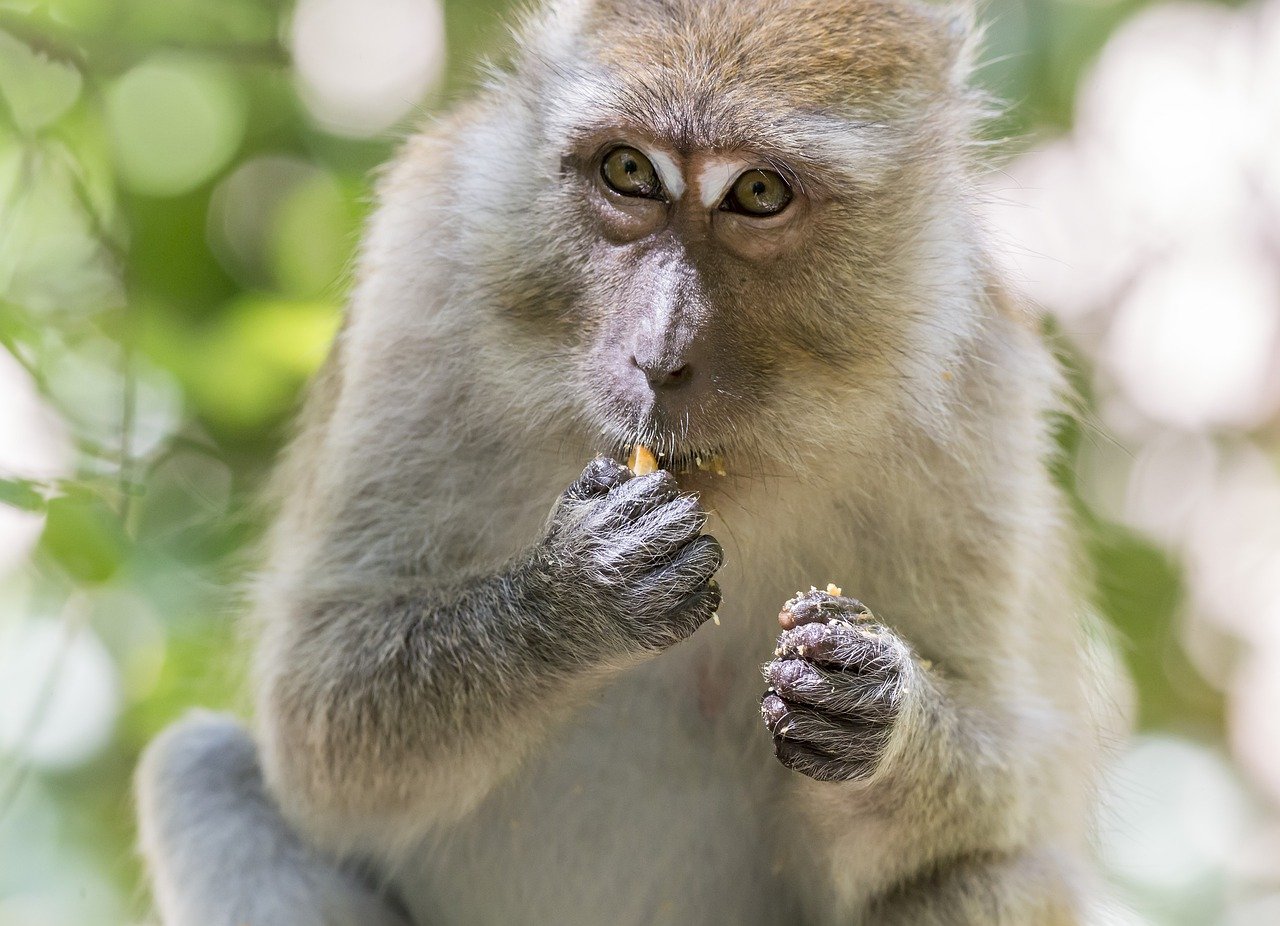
(713, 183)
(669, 171)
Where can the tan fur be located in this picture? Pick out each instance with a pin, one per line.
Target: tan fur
(808, 53)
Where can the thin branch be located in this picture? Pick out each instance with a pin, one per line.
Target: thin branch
(77, 49)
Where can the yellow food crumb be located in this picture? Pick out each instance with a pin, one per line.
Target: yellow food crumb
(713, 464)
(834, 590)
(642, 461)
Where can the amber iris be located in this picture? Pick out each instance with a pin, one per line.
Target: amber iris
(630, 173)
(758, 193)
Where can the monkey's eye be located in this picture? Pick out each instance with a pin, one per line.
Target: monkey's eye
(758, 193)
(630, 173)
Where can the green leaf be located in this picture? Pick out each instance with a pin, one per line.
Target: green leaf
(38, 90)
(84, 537)
(21, 494)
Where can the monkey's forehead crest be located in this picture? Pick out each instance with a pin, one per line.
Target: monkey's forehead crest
(791, 77)
(824, 55)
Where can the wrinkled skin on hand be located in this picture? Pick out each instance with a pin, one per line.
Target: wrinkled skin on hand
(836, 687)
(631, 549)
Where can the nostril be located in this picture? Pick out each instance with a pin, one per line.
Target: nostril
(660, 375)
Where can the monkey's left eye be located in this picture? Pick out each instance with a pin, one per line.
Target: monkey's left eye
(758, 193)
(630, 173)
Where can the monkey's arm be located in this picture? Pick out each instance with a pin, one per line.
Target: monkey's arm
(943, 769)
(396, 708)
(1026, 888)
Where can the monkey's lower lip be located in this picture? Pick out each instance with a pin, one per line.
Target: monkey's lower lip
(681, 460)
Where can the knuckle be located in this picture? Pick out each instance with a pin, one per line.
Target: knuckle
(804, 640)
(685, 508)
(588, 517)
(597, 478)
(705, 557)
(795, 757)
(793, 675)
(654, 487)
(816, 606)
(605, 471)
(627, 496)
(662, 481)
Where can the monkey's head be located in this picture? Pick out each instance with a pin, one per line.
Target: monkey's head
(726, 226)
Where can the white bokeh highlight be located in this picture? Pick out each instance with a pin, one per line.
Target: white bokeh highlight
(1172, 815)
(1194, 341)
(363, 65)
(33, 445)
(1151, 232)
(60, 694)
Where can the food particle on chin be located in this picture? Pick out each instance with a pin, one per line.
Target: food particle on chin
(834, 590)
(713, 464)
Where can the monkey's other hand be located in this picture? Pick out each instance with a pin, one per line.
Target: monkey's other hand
(630, 549)
(837, 687)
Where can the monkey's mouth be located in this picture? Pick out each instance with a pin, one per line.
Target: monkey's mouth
(678, 460)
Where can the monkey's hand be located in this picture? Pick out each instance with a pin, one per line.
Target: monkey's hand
(837, 688)
(630, 550)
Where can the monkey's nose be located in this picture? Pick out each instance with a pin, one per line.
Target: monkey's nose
(663, 375)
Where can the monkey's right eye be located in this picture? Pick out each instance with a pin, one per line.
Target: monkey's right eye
(630, 173)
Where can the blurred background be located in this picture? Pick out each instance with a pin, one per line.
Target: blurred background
(181, 187)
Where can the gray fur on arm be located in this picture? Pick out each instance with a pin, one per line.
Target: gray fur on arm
(408, 696)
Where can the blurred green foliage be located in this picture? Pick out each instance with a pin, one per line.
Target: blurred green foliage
(175, 235)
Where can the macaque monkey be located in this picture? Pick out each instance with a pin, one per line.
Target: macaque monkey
(489, 689)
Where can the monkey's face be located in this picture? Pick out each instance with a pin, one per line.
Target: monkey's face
(687, 253)
(749, 236)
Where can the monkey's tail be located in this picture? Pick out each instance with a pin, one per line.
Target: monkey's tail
(219, 851)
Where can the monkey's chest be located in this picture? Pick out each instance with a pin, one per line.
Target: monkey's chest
(652, 806)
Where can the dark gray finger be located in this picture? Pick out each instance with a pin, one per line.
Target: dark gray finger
(685, 615)
(852, 741)
(815, 606)
(834, 691)
(633, 498)
(599, 476)
(667, 586)
(700, 559)
(814, 763)
(862, 647)
(659, 534)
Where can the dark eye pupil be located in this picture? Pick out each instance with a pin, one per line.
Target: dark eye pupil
(758, 193)
(628, 171)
